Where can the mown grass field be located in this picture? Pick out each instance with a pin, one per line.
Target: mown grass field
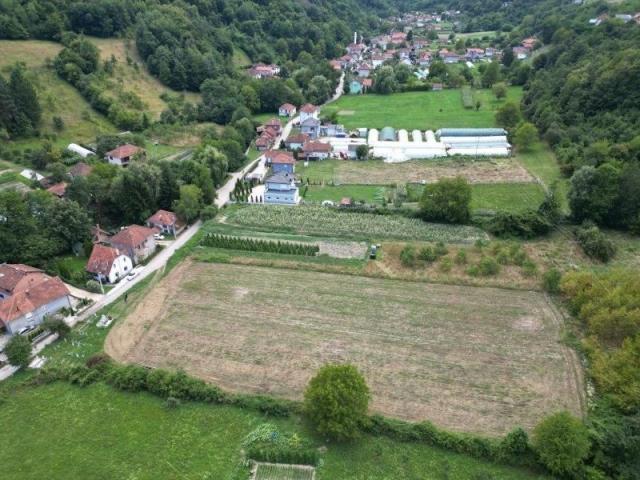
(96, 432)
(466, 358)
(366, 193)
(418, 110)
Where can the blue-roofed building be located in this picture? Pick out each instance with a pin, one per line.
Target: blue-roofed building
(281, 189)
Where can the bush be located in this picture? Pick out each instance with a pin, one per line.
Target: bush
(461, 257)
(336, 401)
(487, 267)
(93, 286)
(595, 244)
(408, 256)
(446, 265)
(529, 224)
(57, 325)
(440, 249)
(515, 443)
(562, 443)
(267, 444)
(209, 212)
(448, 200)
(426, 254)
(18, 351)
(131, 378)
(171, 403)
(529, 269)
(551, 280)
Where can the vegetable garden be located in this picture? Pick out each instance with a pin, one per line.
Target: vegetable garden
(256, 245)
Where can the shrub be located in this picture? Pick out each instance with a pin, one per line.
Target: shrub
(440, 249)
(562, 443)
(408, 256)
(529, 269)
(209, 212)
(171, 403)
(515, 443)
(336, 401)
(529, 224)
(267, 444)
(502, 258)
(448, 200)
(551, 280)
(461, 257)
(57, 325)
(487, 266)
(131, 378)
(18, 351)
(519, 258)
(446, 265)
(426, 254)
(93, 286)
(595, 244)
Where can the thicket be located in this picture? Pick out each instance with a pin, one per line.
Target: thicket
(595, 243)
(268, 444)
(255, 245)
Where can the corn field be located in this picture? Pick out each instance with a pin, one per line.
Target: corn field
(326, 221)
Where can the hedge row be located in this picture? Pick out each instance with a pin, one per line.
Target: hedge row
(164, 383)
(513, 449)
(239, 243)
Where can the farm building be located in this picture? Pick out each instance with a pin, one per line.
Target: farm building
(83, 152)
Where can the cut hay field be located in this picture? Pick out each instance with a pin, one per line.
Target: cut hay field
(421, 110)
(377, 172)
(474, 359)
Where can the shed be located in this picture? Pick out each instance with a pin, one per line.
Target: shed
(388, 134)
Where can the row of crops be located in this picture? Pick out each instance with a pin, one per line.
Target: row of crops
(326, 221)
(256, 245)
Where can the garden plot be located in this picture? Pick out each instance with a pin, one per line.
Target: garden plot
(272, 471)
(467, 358)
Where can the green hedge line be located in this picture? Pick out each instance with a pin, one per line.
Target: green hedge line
(513, 449)
(255, 245)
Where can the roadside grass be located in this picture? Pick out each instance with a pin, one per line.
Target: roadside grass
(418, 110)
(101, 433)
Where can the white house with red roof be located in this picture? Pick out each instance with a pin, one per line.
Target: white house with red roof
(135, 241)
(309, 111)
(166, 222)
(28, 295)
(123, 155)
(108, 264)
(287, 110)
(260, 70)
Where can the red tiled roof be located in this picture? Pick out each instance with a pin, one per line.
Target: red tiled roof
(274, 122)
(124, 151)
(80, 169)
(15, 277)
(58, 189)
(163, 217)
(280, 157)
(132, 236)
(32, 298)
(101, 259)
(287, 107)
(308, 108)
(316, 147)
(298, 138)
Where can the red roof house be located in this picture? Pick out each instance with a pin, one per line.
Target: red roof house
(135, 241)
(59, 189)
(123, 154)
(166, 222)
(107, 264)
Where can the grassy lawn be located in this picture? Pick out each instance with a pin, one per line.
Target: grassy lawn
(367, 193)
(541, 162)
(418, 110)
(512, 197)
(102, 434)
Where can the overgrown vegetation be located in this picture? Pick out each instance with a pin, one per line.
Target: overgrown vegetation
(256, 245)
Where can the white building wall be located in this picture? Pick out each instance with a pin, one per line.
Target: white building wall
(37, 316)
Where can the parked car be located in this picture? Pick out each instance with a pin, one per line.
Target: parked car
(373, 252)
(24, 330)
